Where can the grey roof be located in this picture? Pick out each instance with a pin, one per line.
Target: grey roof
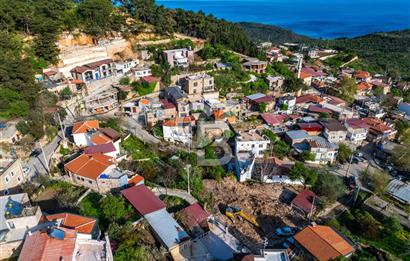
(175, 92)
(399, 190)
(323, 143)
(298, 134)
(166, 228)
(255, 96)
(333, 125)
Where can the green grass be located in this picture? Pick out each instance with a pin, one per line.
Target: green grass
(174, 203)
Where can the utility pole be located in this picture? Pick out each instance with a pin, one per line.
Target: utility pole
(188, 169)
(61, 125)
(350, 164)
(45, 158)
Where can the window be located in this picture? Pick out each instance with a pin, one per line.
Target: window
(18, 179)
(6, 179)
(12, 173)
(260, 145)
(195, 84)
(90, 182)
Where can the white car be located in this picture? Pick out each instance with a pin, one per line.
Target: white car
(26, 170)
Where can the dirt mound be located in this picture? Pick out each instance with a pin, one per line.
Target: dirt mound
(267, 203)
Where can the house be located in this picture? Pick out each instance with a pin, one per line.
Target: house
(97, 172)
(178, 57)
(296, 136)
(123, 67)
(306, 78)
(166, 230)
(362, 76)
(323, 151)
(286, 103)
(308, 99)
(195, 219)
(318, 110)
(81, 130)
(93, 71)
(151, 80)
(86, 227)
(179, 98)
(198, 84)
(275, 84)
(357, 130)
(273, 170)
(214, 106)
(17, 216)
(399, 190)
(323, 243)
(62, 243)
(340, 112)
(274, 120)
(312, 128)
(363, 88)
(107, 149)
(248, 146)
(254, 101)
(305, 202)
(378, 83)
(334, 131)
(333, 100)
(55, 82)
(142, 70)
(254, 65)
(378, 130)
(12, 176)
(9, 133)
(178, 129)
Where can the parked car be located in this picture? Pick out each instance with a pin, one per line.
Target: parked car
(285, 231)
(35, 153)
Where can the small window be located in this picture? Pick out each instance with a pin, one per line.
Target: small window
(90, 182)
(11, 224)
(12, 173)
(6, 179)
(18, 179)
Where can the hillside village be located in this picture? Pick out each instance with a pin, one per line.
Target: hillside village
(175, 149)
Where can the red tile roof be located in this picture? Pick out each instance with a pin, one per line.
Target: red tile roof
(317, 109)
(101, 148)
(90, 66)
(100, 138)
(377, 125)
(177, 121)
(194, 215)
(150, 79)
(85, 126)
(273, 119)
(167, 104)
(304, 200)
(89, 166)
(311, 126)
(135, 180)
(304, 75)
(143, 199)
(356, 123)
(323, 242)
(39, 246)
(363, 86)
(361, 74)
(308, 98)
(81, 224)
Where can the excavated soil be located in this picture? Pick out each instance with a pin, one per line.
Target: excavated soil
(267, 203)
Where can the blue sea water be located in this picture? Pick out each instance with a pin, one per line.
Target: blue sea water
(314, 18)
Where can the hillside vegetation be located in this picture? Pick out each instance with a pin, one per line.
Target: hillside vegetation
(384, 52)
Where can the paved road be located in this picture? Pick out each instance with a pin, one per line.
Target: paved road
(133, 126)
(37, 163)
(174, 192)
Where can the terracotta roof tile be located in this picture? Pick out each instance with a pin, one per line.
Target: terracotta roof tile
(176, 121)
(81, 224)
(135, 180)
(89, 166)
(323, 242)
(84, 126)
(308, 98)
(100, 138)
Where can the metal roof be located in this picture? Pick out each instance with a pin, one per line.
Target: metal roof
(399, 190)
(297, 134)
(169, 232)
(255, 96)
(143, 199)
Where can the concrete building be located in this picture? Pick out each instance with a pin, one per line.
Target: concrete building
(357, 130)
(93, 71)
(17, 216)
(141, 71)
(96, 171)
(248, 146)
(198, 84)
(334, 131)
(11, 176)
(178, 129)
(179, 57)
(254, 65)
(102, 102)
(123, 67)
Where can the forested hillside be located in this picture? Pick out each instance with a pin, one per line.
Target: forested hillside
(29, 30)
(274, 34)
(385, 52)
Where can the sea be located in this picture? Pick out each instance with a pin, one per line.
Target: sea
(314, 18)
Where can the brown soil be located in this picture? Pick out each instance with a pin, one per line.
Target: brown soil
(268, 204)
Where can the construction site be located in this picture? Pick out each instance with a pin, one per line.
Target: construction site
(253, 211)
